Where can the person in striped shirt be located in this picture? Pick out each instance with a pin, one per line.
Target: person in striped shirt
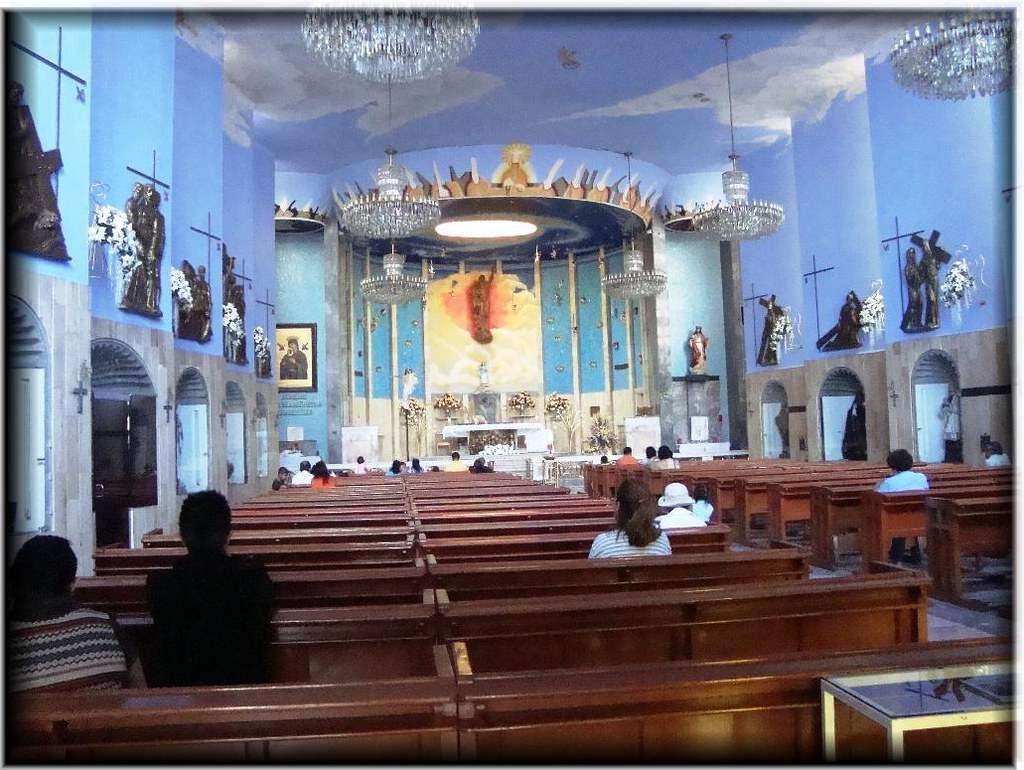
(52, 643)
(635, 533)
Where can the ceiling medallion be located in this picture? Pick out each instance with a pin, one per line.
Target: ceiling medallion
(387, 212)
(481, 229)
(390, 45)
(393, 287)
(634, 282)
(739, 219)
(970, 57)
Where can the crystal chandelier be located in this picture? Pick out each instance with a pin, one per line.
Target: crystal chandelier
(393, 287)
(634, 282)
(970, 57)
(387, 212)
(393, 45)
(739, 219)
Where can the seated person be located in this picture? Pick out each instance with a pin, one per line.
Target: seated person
(321, 475)
(650, 455)
(627, 458)
(702, 507)
(480, 466)
(664, 461)
(416, 467)
(995, 457)
(284, 479)
(395, 469)
(604, 459)
(211, 611)
(635, 533)
(676, 502)
(456, 465)
(903, 479)
(360, 469)
(303, 478)
(435, 468)
(52, 642)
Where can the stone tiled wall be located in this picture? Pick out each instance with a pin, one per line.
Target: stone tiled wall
(792, 380)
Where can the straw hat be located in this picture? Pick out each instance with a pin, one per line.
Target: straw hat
(675, 494)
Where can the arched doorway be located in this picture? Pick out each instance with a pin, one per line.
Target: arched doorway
(774, 421)
(936, 387)
(843, 418)
(124, 473)
(262, 439)
(28, 404)
(192, 432)
(234, 428)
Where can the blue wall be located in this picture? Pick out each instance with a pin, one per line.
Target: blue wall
(555, 328)
(588, 300)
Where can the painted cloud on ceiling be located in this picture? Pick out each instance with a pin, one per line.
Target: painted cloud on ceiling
(266, 61)
(798, 81)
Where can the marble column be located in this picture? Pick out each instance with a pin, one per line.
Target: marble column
(338, 351)
(658, 334)
(735, 360)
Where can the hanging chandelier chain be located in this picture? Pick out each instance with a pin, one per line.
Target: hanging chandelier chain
(728, 81)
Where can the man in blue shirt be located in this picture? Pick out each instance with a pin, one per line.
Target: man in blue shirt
(902, 480)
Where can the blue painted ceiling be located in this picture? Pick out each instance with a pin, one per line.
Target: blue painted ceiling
(650, 82)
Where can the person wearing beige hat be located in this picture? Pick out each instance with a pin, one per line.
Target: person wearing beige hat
(676, 500)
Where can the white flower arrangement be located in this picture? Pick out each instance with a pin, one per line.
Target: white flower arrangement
(521, 401)
(180, 289)
(602, 436)
(448, 403)
(499, 450)
(782, 334)
(872, 312)
(110, 226)
(260, 342)
(958, 285)
(232, 321)
(413, 410)
(558, 406)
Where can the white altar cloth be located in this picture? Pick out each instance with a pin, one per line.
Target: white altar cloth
(537, 436)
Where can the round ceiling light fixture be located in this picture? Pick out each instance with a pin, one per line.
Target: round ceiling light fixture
(485, 229)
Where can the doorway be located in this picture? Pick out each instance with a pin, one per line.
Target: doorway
(936, 387)
(234, 427)
(843, 418)
(262, 437)
(192, 432)
(774, 421)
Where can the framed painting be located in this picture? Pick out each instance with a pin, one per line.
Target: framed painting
(296, 357)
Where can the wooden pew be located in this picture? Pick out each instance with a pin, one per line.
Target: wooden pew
(459, 582)
(409, 720)
(309, 520)
(480, 514)
(295, 537)
(763, 709)
(129, 561)
(902, 514)
(875, 611)
(306, 588)
(566, 504)
(965, 527)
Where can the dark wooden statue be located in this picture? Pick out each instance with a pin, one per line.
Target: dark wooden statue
(923, 284)
(480, 307)
(195, 323)
(845, 335)
(263, 370)
(855, 433)
(766, 354)
(142, 285)
(33, 218)
(234, 293)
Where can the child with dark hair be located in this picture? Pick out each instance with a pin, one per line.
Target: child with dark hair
(395, 469)
(211, 611)
(635, 533)
(702, 507)
(321, 475)
(903, 479)
(284, 479)
(52, 643)
(416, 467)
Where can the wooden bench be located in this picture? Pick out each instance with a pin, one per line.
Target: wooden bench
(876, 611)
(965, 527)
(762, 709)
(326, 518)
(295, 537)
(481, 514)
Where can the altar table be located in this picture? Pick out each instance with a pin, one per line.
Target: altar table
(536, 435)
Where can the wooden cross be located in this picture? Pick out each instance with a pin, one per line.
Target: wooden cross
(899, 256)
(814, 274)
(168, 407)
(153, 178)
(244, 277)
(269, 306)
(209, 237)
(753, 311)
(58, 67)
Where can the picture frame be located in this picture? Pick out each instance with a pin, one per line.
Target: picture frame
(295, 357)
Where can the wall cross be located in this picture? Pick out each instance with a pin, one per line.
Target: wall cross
(899, 256)
(815, 271)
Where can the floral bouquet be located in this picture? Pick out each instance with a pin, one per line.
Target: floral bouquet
(560, 409)
(180, 289)
(448, 403)
(413, 411)
(957, 288)
(232, 321)
(498, 450)
(602, 436)
(782, 333)
(110, 226)
(872, 312)
(521, 402)
(261, 344)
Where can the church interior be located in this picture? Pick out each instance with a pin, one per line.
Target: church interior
(767, 250)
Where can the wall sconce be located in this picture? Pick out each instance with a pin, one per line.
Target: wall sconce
(892, 393)
(84, 376)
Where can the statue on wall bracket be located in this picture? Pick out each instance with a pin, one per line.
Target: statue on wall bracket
(33, 218)
(845, 335)
(698, 345)
(922, 279)
(768, 352)
(233, 312)
(192, 320)
(142, 282)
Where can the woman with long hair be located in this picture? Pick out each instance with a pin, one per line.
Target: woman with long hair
(635, 533)
(321, 475)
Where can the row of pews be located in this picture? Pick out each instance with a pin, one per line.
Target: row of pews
(967, 511)
(456, 617)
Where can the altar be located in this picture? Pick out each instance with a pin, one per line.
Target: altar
(536, 437)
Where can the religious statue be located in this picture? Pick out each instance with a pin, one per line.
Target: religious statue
(846, 333)
(484, 376)
(949, 413)
(480, 307)
(912, 274)
(142, 284)
(294, 364)
(234, 327)
(698, 343)
(768, 353)
(194, 323)
(855, 433)
(33, 219)
(409, 380)
(923, 276)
